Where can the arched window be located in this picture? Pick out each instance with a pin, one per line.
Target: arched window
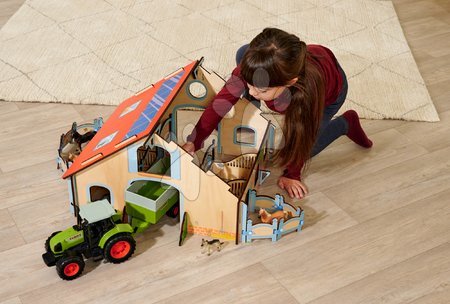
(244, 135)
(97, 193)
(154, 160)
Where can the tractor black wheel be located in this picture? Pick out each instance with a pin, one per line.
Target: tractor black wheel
(69, 268)
(119, 248)
(47, 241)
(174, 211)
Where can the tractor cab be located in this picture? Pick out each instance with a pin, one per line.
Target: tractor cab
(98, 213)
(96, 220)
(95, 212)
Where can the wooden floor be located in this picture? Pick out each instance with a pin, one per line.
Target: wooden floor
(377, 222)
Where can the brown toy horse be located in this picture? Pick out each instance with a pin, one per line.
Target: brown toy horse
(268, 218)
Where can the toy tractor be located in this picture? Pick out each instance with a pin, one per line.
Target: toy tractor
(101, 234)
(104, 233)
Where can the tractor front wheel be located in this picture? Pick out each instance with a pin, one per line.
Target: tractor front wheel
(70, 268)
(120, 248)
(47, 241)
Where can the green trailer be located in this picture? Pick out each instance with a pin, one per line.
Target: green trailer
(147, 201)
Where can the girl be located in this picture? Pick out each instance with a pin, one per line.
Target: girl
(303, 82)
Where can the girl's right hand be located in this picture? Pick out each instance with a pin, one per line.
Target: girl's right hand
(189, 147)
(295, 188)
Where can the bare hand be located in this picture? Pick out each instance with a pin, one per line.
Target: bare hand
(189, 147)
(295, 188)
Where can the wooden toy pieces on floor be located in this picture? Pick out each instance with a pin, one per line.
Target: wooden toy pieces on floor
(210, 246)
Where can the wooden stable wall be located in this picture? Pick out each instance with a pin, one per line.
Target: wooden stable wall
(225, 137)
(277, 120)
(252, 183)
(245, 114)
(111, 172)
(186, 121)
(211, 81)
(203, 195)
(210, 205)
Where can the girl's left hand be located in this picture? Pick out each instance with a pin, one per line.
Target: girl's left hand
(295, 188)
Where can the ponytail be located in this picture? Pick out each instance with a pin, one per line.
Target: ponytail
(303, 116)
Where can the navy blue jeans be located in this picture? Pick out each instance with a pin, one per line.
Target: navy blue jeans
(330, 129)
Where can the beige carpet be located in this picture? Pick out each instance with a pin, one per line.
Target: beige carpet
(103, 51)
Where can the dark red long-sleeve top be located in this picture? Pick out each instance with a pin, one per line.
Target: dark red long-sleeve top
(236, 86)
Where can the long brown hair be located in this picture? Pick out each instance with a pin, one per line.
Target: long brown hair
(275, 58)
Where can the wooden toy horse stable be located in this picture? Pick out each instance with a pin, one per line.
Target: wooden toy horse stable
(136, 157)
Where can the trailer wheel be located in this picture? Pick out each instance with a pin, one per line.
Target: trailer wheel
(69, 268)
(174, 211)
(120, 248)
(47, 241)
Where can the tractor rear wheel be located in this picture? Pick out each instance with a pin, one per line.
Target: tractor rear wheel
(69, 268)
(119, 248)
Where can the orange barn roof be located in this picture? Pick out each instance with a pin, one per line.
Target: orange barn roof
(133, 119)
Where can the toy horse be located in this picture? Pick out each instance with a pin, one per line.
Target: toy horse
(70, 143)
(268, 218)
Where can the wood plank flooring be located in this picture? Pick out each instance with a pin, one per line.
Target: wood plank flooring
(377, 226)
